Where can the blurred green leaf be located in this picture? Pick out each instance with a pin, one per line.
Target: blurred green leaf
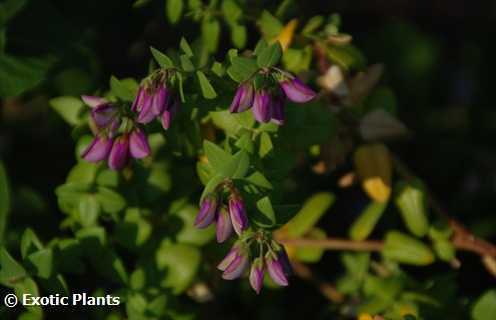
(174, 9)
(29, 243)
(134, 230)
(41, 262)
(231, 11)
(207, 90)
(485, 307)
(242, 69)
(238, 36)
(111, 201)
(405, 249)
(69, 108)
(89, 210)
(312, 25)
(265, 215)
(270, 56)
(311, 254)
(11, 271)
(265, 145)
(412, 203)
(217, 157)
(269, 25)
(363, 226)
(210, 34)
(124, 89)
(163, 60)
(313, 209)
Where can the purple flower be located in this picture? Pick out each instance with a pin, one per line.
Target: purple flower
(104, 115)
(257, 275)
(297, 91)
(238, 214)
(93, 101)
(235, 263)
(243, 99)
(138, 144)
(97, 150)
(283, 258)
(276, 270)
(119, 154)
(224, 225)
(169, 112)
(207, 212)
(159, 101)
(144, 107)
(262, 106)
(278, 110)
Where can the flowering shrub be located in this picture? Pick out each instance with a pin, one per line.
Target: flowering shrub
(196, 172)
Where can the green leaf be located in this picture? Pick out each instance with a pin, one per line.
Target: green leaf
(265, 145)
(69, 256)
(133, 231)
(174, 9)
(211, 185)
(181, 262)
(11, 271)
(411, 201)
(313, 209)
(19, 74)
(261, 45)
(269, 25)
(29, 243)
(189, 234)
(311, 254)
(186, 63)
(184, 45)
(405, 249)
(363, 226)
(238, 36)
(217, 157)
(231, 11)
(26, 286)
(313, 24)
(242, 68)
(4, 200)
(69, 108)
(124, 89)
(258, 179)
(265, 216)
(111, 201)
(444, 249)
(204, 172)
(210, 34)
(89, 209)
(270, 56)
(346, 56)
(245, 142)
(83, 172)
(208, 91)
(41, 262)
(485, 307)
(237, 167)
(163, 60)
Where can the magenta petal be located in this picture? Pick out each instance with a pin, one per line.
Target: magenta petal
(276, 271)
(256, 275)
(238, 215)
(138, 99)
(207, 212)
(98, 149)
(119, 154)
(243, 99)
(138, 144)
(103, 115)
(297, 91)
(158, 101)
(224, 225)
(166, 119)
(278, 111)
(93, 101)
(233, 253)
(146, 113)
(262, 106)
(236, 268)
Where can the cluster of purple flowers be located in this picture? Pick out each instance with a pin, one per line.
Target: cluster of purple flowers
(107, 143)
(268, 105)
(275, 261)
(227, 219)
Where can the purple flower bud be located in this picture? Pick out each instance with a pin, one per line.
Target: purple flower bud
(257, 275)
(103, 115)
(159, 101)
(262, 106)
(243, 99)
(138, 100)
(97, 150)
(145, 110)
(278, 110)
(138, 144)
(93, 101)
(235, 263)
(275, 269)
(207, 212)
(238, 214)
(120, 153)
(224, 225)
(297, 91)
(169, 113)
(283, 258)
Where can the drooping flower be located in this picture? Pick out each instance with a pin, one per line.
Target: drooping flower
(238, 214)
(257, 275)
(224, 225)
(170, 112)
(275, 269)
(98, 149)
(283, 258)
(207, 211)
(103, 115)
(278, 110)
(243, 99)
(296, 90)
(119, 154)
(236, 262)
(138, 144)
(262, 106)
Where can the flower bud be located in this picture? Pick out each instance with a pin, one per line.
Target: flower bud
(276, 270)
(97, 150)
(224, 225)
(145, 110)
(138, 144)
(103, 115)
(119, 154)
(207, 211)
(243, 99)
(138, 100)
(283, 258)
(257, 275)
(170, 111)
(297, 91)
(278, 110)
(159, 101)
(262, 106)
(238, 214)
(235, 263)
